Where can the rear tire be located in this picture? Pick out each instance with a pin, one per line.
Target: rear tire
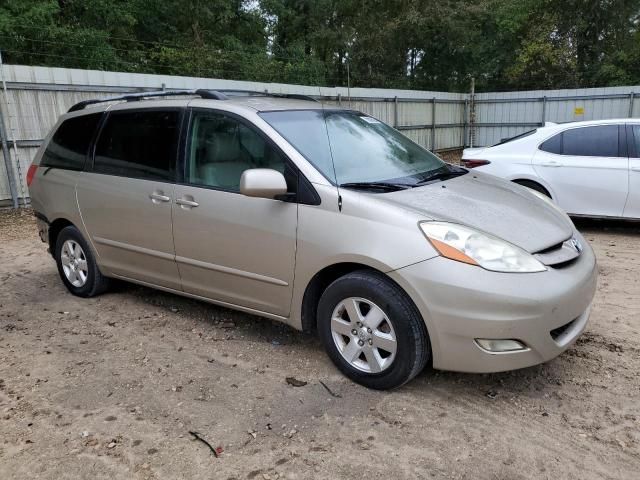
(533, 186)
(383, 350)
(77, 265)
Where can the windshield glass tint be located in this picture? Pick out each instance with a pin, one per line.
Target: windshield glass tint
(363, 148)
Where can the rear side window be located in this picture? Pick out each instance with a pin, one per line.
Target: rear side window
(553, 145)
(69, 146)
(140, 144)
(600, 141)
(597, 141)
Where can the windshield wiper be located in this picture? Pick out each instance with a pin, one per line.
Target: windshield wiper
(442, 175)
(387, 186)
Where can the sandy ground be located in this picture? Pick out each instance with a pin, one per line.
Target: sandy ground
(110, 388)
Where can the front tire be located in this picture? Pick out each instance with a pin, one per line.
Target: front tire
(77, 265)
(372, 331)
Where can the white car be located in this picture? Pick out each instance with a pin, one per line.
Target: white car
(588, 168)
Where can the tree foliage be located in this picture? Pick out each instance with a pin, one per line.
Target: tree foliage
(503, 44)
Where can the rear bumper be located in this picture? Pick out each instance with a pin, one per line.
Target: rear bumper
(546, 311)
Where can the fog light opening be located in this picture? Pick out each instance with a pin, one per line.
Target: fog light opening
(499, 345)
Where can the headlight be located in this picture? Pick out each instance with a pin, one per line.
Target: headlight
(464, 244)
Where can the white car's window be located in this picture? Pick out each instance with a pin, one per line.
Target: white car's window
(636, 138)
(596, 141)
(553, 145)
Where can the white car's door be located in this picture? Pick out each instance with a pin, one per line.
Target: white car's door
(587, 169)
(632, 208)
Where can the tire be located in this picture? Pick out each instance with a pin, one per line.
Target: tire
(369, 292)
(82, 282)
(533, 186)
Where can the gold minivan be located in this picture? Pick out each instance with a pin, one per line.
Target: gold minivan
(320, 217)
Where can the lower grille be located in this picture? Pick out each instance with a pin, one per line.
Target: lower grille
(556, 333)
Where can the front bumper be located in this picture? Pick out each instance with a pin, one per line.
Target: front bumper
(547, 311)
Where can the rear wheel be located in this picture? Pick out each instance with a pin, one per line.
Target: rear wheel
(77, 266)
(372, 331)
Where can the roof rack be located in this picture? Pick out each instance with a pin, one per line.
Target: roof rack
(134, 97)
(256, 93)
(201, 92)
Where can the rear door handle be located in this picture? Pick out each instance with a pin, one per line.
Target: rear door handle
(635, 169)
(551, 163)
(157, 197)
(184, 202)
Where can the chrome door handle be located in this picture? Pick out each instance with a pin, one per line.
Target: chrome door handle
(635, 169)
(551, 164)
(159, 197)
(187, 203)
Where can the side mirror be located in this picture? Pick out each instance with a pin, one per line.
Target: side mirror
(263, 183)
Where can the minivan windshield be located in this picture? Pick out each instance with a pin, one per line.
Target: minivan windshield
(365, 151)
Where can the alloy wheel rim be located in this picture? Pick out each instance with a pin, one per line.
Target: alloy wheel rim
(364, 335)
(74, 263)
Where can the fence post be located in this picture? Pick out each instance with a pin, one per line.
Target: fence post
(7, 158)
(544, 110)
(7, 163)
(433, 124)
(631, 97)
(472, 112)
(339, 100)
(465, 123)
(395, 111)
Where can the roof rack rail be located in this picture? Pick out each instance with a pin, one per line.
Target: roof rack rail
(134, 97)
(256, 93)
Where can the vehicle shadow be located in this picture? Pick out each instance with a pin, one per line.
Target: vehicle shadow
(594, 225)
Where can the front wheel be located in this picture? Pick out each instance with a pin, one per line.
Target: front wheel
(372, 331)
(77, 266)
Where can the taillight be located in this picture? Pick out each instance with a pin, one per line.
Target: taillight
(31, 173)
(473, 163)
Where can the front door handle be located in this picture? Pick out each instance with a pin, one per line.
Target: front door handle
(157, 197)
(551, 163)
(635, 169)
(185, 202)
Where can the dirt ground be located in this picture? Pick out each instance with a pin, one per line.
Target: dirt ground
(110, 388)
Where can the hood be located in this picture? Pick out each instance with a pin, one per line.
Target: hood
(487, 203)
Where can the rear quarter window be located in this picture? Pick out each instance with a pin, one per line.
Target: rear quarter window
(553, 144)
(69, 146)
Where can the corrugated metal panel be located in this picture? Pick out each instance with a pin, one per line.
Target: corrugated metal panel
(38, 95)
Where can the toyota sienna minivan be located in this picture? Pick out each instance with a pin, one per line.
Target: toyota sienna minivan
(320, 217)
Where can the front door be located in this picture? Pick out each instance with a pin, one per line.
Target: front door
(125, 199)
(632, 208)
(587, 169)
(232, 248)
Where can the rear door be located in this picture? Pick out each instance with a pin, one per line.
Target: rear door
(587, 169)
(125, 197)
(632, 208)
(229, 247)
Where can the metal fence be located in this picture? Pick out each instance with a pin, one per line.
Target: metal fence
(34, 97)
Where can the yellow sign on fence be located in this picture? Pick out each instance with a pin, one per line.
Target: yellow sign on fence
(578, 111)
